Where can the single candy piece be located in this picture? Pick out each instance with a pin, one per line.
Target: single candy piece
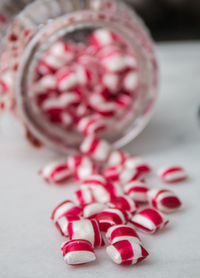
(65, 208)
(110, 217)
(82, 166)
(112, 59)
(120, 174)
(126, 252)
(98, 149)
(123, 203)
(91, 124)
(84, 196)
(111, 81)
(115, 158)
(149, 220)
(62, 223)
(172, 174)
(102, 37)
(101, 106)
(56, 172)
(163, 200)
(91, 210)
(102, 192)
(86, 229)
(122, 232)
(131, 81)
(137, 191)
(136, 162)
(77, 252)
(67, 78)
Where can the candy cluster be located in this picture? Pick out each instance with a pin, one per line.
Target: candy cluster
(113, 202)
(87, 87)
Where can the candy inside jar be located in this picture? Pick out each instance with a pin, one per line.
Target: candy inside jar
(89, 69)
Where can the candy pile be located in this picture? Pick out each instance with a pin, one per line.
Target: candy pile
(87, 87)
(112, 201)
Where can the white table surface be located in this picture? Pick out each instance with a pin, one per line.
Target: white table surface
(29, 243)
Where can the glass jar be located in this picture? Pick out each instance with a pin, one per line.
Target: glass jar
(42, 23)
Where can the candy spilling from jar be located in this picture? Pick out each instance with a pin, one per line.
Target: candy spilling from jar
(88, 87)
(113, 202)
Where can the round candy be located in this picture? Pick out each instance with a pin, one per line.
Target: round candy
(172, 174)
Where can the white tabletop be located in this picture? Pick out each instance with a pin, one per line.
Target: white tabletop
(29, 243)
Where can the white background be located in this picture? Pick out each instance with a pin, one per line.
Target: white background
(29, 243)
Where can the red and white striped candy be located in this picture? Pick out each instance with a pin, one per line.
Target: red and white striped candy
(84, 196)
(87, 229)
(172, 174)
(65, 208)
(122, 232)
(60, 102)
(101, 106)
(112, 59)
(121, 174)
(98, 149)
(110, 217)
(130, 81)
(91, 210)
(111, 81)
(163, 200)
(56, 172)
(47, 82)
(101, 192)
(67, 78)
(149, 220)
(102, 37)
(126, 252)
(62, 223)
(82, 166)
(63, 51)
(78, 251)
(136, 162)
(115, 158)
(123, 203)
(91, 124)
(137, 190)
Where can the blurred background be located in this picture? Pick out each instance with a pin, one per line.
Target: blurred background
(170, 19)
(167, 19)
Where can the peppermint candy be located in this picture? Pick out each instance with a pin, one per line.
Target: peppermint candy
(78, 251)
(65, 208)
(163, 200)
(172, 174)
(149, 220)
(86, 229)
(126, 252)
(122, 232)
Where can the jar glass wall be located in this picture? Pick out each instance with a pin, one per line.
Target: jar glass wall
(42, 23)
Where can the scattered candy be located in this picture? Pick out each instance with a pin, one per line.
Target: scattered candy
(137, 190)
(163, 200)
(122, 232)
(86, 229)
(110, 217)
(63, 221)
(56, 172)
(172, 174)
(126, 252)
(65, 208)
(123, 203)
(98, 149)
(91, 210)
(149, 220)
(78, 251)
